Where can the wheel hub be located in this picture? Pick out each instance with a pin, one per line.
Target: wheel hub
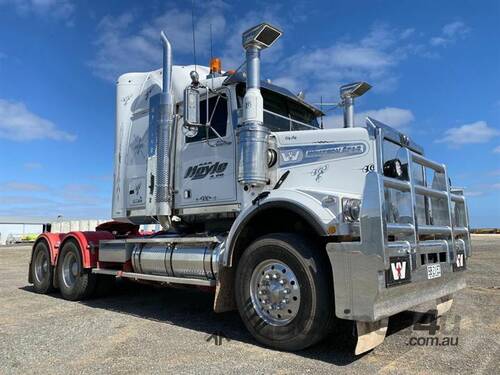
(41, 266)
(275, 292)
(70, 270)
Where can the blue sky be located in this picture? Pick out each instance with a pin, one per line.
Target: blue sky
(434, 65)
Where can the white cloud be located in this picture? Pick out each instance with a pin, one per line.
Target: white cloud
(476, 132)
(478, 190)
(321, 70)
(473, 193)
(496, 150)
(59, 9)
(17, 123)
(16, 186)
(124, 36)
(450, 33)
(123, 48)
(374, 57)
(395, 117)
(70, 200)
(16, 200)
(407, 33)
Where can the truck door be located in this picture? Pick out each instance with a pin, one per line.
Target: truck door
(206, 165)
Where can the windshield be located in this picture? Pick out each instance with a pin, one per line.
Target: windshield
(281, 113)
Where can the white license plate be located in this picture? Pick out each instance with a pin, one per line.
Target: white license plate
(433, 271)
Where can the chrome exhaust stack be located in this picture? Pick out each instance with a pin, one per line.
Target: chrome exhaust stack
(165, 125)
(253, 136)
(347, 94)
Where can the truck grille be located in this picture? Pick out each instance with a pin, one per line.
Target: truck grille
(424, 213)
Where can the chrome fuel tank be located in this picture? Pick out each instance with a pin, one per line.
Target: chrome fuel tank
(179, 260)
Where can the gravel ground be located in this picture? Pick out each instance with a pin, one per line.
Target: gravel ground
(142, 329)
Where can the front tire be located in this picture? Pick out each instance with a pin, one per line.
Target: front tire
(75, 282)
(284, 291)
(41, 269)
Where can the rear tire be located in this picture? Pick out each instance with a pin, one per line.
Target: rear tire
(284, 291)
(41, 270)
(75, 282)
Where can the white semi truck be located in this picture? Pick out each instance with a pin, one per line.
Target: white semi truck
(296, 226)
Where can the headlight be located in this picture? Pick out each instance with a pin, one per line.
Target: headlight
(351, 208)
(393, 168)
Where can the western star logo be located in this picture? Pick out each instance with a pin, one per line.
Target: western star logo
(398, 270)
(203, 170)
(460, 260)
(291, 155)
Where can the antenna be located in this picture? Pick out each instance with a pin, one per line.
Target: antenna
(211, 58)
(194, 39)
(211, 44)
(321, 107)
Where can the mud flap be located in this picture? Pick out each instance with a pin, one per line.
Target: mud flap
(370, 335)
(224, 291)
(443, 305)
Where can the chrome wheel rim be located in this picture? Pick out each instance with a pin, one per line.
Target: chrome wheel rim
(41, 266)
(70, 270)
(275, 292)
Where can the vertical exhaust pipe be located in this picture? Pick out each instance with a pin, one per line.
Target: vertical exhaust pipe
(165, 124)
(347, 94)
(253, 137)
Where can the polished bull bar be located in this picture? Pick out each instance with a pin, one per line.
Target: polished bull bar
(361, 269)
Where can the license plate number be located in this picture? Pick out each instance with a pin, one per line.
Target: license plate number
(433, 271)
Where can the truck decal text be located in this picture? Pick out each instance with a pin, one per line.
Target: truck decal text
(205, 169)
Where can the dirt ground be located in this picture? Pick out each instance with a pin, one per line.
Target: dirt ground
(142, 329)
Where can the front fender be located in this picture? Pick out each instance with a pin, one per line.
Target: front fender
(303, 203)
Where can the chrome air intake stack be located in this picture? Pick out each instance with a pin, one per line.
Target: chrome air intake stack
(253, 136)
(347, 94)
(165, 124)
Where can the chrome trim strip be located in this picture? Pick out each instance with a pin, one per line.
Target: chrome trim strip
(169, 240)
(209, 209)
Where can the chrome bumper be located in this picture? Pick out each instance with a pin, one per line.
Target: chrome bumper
(364, 289)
